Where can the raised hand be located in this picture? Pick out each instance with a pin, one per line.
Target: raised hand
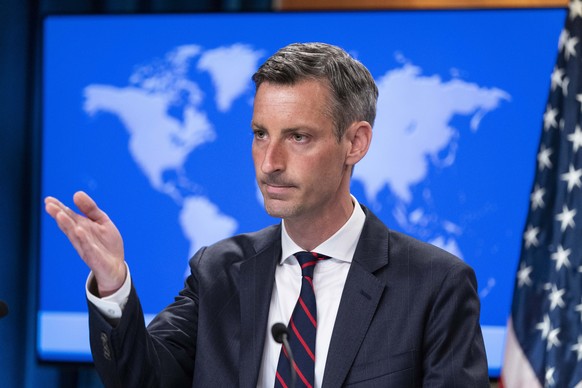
(95, 238)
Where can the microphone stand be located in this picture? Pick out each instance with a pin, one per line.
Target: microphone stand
(281, 335)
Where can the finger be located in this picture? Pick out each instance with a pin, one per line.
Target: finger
(89, 208)
(70, 228)
(50, 199)
(52, 203)
(53, 206)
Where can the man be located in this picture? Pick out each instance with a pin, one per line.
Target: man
(390, 311)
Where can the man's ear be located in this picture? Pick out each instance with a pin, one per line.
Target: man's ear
(359, 137)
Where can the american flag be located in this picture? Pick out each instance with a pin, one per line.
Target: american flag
(544, 336)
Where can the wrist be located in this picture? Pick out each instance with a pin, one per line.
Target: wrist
(113, 284)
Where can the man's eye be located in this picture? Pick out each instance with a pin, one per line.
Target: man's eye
(260, 134)
(298, 137)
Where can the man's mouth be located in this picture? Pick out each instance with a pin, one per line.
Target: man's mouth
(276, 189)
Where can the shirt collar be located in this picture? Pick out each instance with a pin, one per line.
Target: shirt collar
(341, 246)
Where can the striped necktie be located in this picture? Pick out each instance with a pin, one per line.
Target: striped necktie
(302, 329)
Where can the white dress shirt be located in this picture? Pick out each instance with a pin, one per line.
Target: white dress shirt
(111, 306)
(329, 278)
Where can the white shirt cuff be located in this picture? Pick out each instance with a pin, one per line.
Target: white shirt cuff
(111, 306)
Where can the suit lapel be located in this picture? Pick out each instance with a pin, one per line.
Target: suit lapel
(256, 285)
(359, 301)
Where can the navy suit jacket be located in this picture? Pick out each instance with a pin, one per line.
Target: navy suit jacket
(408, 317)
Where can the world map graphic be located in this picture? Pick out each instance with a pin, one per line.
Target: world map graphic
(405, 144)
(150, 115)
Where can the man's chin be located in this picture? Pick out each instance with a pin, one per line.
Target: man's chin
(278, 209)
(276, 213)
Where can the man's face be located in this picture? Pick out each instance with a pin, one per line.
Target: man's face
(299, 163)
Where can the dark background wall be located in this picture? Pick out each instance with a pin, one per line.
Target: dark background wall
(20, 83)
(20, 49)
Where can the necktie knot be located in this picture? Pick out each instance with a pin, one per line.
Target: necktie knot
(307, 261)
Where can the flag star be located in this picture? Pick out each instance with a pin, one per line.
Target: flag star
(566, 218)
(565, 84)
(575, 9)
(564, 35)
(553, 340)
(556, 300)
(537, 197)
(523, 275)
(544, 157)
(561, 256)
(557, 76)
(550, 377)
(576, 138)
(572, 177)
(550, 118)
(570, 47)
(531, 236)
(578, 348)
(544, 326)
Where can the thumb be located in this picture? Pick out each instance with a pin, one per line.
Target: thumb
(89, 208)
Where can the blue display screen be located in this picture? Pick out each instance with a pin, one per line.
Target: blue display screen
(150, 115)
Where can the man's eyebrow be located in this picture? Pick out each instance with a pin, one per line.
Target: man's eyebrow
(287, 131)
(256, 126)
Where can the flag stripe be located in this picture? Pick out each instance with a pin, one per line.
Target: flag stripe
(517, 371)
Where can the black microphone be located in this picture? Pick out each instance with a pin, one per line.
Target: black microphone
(3, 309)
(281, 335)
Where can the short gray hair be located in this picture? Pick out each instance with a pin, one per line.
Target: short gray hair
(353, 90)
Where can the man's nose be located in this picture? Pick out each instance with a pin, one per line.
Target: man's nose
(274, 158)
